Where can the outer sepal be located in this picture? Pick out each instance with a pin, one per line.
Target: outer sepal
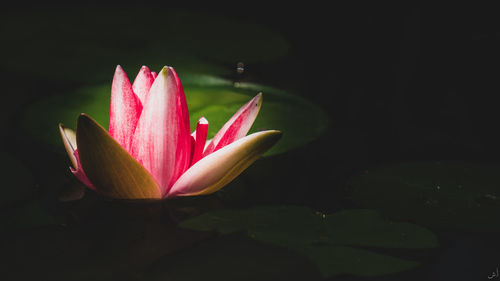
(109, 167)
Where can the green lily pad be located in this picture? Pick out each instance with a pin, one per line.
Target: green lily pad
(299, 120)
(447, 196)
(331, 242)
(78, 44)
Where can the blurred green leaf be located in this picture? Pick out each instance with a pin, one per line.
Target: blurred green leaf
(448, 196)
(83, 44)
(217, 100)
(351, 228)
(329, 241)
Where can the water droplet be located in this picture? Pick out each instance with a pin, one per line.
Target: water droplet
(322, 215)
(240, 67)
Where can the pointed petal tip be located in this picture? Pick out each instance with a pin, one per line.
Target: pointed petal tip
(84, 120)
(162, 74)
(84, 117)
(270, 136)
(203, 121)
(275, 133)
(258, 99)
(144, 69)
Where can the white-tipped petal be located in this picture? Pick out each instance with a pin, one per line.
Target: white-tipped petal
(217, 169)
(199, 140)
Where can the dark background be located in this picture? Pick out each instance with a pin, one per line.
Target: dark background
(399, 83)
(397, 80)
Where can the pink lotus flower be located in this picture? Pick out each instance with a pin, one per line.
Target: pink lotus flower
(150, 152)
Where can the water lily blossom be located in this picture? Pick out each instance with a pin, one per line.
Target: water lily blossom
(149, 151)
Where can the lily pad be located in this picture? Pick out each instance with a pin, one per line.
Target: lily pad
(447, 196)
(332, 242)
(79, 44)
(215, 98)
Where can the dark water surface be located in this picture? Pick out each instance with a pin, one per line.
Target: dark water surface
(401, 185)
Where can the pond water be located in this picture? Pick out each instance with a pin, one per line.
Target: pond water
(386, 169)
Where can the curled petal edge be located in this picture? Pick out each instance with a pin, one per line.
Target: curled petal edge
(69, 140)
(68, 137)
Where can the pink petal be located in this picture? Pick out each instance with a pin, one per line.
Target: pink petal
(162, 141)
(142, 83)
(154, 74)
(124, 111)
(80, 174)
(199, 138)
(181, 101)
(237, 127)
